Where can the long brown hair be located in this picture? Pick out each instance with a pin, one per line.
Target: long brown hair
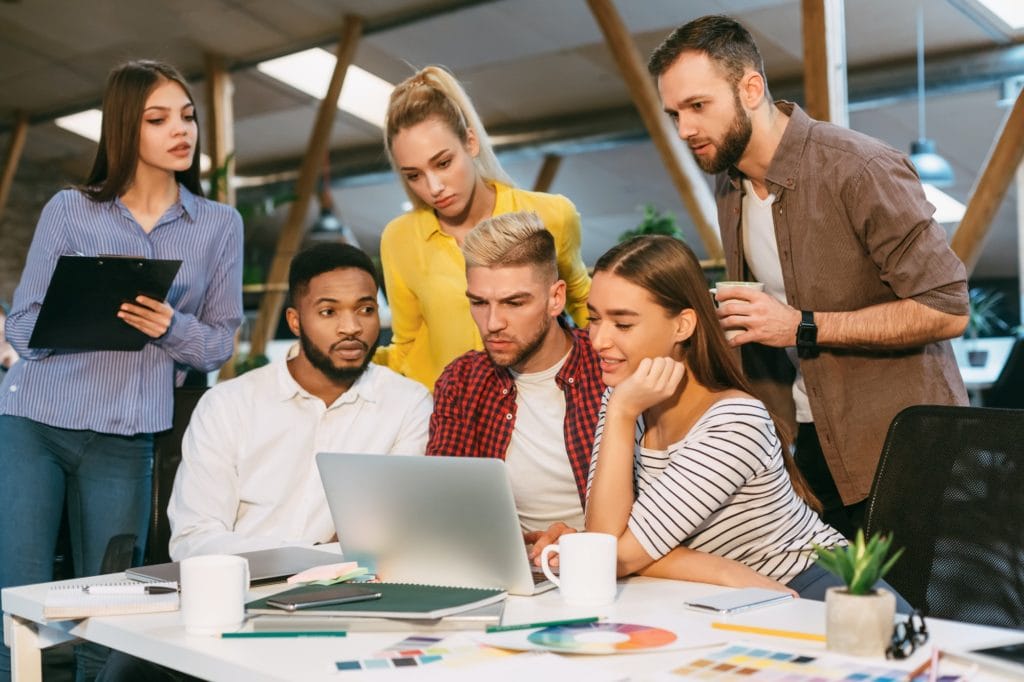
(433, 92)
(667, 269)
(124, 100)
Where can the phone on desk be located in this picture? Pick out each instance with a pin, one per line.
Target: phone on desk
(331, 594)
(738, 601)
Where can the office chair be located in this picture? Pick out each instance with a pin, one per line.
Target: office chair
(950, 487)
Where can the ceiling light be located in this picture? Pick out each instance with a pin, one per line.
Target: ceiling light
(362, 94)
(930, 166)
(947, 209)
(89, 123)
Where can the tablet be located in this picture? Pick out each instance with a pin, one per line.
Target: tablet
(1005, 657)
(737, 601)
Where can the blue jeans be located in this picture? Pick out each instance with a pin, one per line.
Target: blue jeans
(106, 481)
(814, 580)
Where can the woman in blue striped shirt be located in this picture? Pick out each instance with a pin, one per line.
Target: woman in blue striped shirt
(77, 426)
(684, 455)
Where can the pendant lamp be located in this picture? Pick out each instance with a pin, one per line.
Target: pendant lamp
(932, 168)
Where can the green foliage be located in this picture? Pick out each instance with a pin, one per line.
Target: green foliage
(860, 564)
(248, 362)
(983, 318)
(654, 222)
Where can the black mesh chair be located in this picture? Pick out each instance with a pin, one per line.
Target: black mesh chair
(950, 487)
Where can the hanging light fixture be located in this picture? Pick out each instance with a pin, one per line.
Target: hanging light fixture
(932, 168)
(328, 226)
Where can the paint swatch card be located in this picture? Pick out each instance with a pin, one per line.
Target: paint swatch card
(751, 663)
(417, 651)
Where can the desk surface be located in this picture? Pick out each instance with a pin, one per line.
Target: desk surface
(161, 638)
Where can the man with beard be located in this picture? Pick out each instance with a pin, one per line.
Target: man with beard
(248, 478)
(532, 398)
(861, 288)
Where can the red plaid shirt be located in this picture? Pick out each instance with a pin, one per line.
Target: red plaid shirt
(475, 407)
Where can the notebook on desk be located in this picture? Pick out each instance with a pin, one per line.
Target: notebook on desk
(438, 520)
(265, 566)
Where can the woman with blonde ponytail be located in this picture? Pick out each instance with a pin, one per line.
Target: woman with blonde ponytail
(437, 145)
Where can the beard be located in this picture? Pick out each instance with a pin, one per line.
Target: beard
(732, 145)
(320, 360)
(526, 351)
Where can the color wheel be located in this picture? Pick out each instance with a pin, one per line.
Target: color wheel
(600, 638)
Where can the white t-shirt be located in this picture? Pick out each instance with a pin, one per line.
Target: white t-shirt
(538, 466)
(762, 254)
(248, 478)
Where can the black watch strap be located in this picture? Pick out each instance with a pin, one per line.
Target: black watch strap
(807, 336)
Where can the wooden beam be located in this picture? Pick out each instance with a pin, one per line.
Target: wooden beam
(681, 167)
(990, 189)
(18, 135)
(1020, 238)
(824, 34)
(548, 171)
(294, 229)
(220, 129)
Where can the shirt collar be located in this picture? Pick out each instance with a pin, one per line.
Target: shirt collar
(187, 204)
(430, 226)
(365, 387)
(571, 370)
(783, 170)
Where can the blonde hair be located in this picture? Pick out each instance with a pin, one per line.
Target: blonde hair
(511, 239)
(434, 92)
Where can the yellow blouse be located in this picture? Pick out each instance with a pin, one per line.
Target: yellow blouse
(425, 276)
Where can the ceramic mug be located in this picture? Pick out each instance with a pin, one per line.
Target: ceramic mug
(586, 568)
(724, 286)
(214, 588)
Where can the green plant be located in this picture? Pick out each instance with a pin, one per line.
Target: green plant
(654, 222)
(860, 564)
(983, 318)
(248, 362)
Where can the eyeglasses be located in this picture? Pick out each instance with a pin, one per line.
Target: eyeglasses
(907, 635)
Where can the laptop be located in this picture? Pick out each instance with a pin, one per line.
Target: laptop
(265, 565)
(429, 520)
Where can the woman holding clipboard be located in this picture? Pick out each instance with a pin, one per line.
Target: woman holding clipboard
(78, 426)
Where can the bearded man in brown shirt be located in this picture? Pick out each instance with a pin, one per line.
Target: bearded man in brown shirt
(861, 288)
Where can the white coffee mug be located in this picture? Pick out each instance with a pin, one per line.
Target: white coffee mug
(213, 593)
(724, 286)
(586, 568)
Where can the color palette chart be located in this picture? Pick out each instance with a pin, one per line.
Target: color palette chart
(419, 650)
(739, 662)
(600, 638)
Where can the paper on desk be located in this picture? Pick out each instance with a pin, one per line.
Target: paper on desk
(328, 574)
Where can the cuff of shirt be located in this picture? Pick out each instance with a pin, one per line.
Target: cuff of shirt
(643, 536)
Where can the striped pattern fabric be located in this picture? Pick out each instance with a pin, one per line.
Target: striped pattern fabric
(723, 489)
(126, 392)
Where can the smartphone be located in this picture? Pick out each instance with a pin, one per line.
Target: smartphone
(738, 600)
(332, 594)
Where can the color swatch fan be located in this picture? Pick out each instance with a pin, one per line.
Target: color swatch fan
(587, 638)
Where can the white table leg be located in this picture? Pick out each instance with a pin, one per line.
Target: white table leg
(26, 659)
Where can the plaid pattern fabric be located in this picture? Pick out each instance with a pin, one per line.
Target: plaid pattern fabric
(475, 407)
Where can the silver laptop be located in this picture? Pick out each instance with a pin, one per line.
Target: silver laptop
(431, 520)
(265, 565)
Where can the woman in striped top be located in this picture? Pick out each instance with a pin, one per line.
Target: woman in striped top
(684, 457)
(76, 427)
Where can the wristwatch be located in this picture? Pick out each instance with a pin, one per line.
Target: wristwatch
(807, 336)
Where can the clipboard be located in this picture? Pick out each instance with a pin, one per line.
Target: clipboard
(80, 308)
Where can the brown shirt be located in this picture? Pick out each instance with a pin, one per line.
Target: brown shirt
(853, 230)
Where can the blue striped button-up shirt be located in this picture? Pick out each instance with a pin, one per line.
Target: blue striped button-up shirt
(126, 392)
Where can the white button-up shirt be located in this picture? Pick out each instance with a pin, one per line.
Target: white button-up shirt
(248, 478)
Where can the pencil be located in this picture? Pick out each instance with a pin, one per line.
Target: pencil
(770, 632)
(546, 624)
(283, 633)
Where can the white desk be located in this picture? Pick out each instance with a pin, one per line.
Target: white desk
(161, 638)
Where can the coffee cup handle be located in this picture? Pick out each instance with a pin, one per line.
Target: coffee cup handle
(544, 554)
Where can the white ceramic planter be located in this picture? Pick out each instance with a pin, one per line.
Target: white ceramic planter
(859, 625)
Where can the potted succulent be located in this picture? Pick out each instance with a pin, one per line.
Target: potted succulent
(982, 320)
(859, 618)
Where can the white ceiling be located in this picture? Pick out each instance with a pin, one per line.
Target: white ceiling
(522, 61)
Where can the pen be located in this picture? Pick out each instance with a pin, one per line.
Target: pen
(283, 633)
(130, 589)
(546, 624)
(768, 631)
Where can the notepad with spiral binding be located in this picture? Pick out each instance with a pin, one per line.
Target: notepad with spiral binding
(398, 600)
(72, 601)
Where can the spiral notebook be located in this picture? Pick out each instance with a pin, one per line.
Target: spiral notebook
(73, 601)
(398, 600)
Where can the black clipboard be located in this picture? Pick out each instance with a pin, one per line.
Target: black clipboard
(85, 293)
